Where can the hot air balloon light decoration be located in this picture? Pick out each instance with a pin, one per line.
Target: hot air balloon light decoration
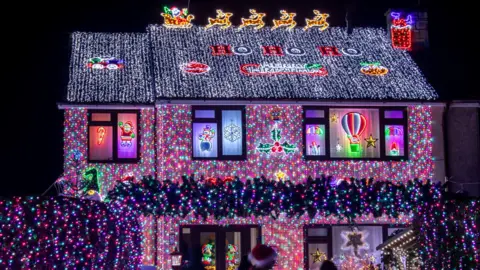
(354, 125)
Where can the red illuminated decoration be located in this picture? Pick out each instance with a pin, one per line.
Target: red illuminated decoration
(127, 134)
(329, 51)
(354, 124)
(401, 31)
(394, 151)
(283, 69)
(195, 68)
(272, 50)
(101, 131)
(218, 50)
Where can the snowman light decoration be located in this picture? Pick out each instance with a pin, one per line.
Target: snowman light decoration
(206, 137)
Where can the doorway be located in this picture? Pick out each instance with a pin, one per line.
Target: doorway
(217, 247)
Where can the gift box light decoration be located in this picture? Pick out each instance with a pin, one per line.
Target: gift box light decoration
(319, 21)
(401, 31)
(222, 20)
(286, 20)
(176, 18)
(255, 20)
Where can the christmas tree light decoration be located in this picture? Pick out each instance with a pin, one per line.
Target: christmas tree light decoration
(355, 241)
(232, 132)
(286, 20)
(208, 255)
(320, 21)
(315, 70)
(101, 135)
(231, 257)
(354, 124)
(194, 68)
(318, 256)
(105, 63)
(371, 141)
(276, 146)
(255, 19)
(222, 19)
(373, 69)
(176, 18)
(401, 31)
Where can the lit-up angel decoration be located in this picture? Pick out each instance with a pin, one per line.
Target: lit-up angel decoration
(286, 20)
(176, 18)
(354, 125)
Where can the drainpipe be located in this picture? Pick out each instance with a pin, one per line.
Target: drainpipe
(446, 144)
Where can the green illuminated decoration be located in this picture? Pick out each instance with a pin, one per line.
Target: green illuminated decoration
(276, 146)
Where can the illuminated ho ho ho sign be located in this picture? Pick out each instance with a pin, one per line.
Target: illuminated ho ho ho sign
(227, 50)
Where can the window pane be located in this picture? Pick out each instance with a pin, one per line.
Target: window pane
(317, 232)
(253, 237)
(319, 256)
(314, 113)
(101, 117)
(204, 113)
(354, 133)
(315, 139)
(127, 135)
(100, 143)
(393, 114)
(205, 140)
(394, 140)
(232, 133)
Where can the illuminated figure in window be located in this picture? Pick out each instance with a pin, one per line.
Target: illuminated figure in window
(354, 124)
(394, 149)
(206, 138)
(101, 135)
(126, 133)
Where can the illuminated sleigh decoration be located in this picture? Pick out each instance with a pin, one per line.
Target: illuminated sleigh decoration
(286, 20)
(320, 21)
(176, 18)
(255, 19)
(222, 19)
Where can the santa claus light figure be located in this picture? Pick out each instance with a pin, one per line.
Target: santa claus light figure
(126, 133)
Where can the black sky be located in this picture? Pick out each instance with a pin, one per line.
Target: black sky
(36, 51)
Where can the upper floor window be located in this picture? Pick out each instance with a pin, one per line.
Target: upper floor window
(218, 132)
(355, 133)
(113, 136)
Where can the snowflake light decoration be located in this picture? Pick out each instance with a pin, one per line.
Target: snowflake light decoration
(232, 132)
(355, 241)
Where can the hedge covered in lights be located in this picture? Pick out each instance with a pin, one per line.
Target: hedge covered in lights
(231, 197)
(67, 233)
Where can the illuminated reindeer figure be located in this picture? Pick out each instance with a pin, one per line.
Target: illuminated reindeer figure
(222, 19)
(256, 19)
(320, 20)
(285, 20)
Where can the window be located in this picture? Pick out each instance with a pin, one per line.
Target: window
(355, 133)
(113, 136)
(218, 133)
(317, 245)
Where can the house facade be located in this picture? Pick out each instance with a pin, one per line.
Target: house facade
(284, 104)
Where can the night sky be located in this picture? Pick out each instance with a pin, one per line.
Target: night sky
(36, 35)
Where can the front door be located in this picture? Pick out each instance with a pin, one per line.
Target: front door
(217, 247)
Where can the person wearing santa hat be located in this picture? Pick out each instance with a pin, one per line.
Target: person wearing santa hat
(262, 257)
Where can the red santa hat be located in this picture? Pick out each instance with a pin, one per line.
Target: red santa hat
(262, 255)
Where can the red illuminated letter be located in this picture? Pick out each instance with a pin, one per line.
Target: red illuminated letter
(221, 50)
(272, 50)
(329, 51)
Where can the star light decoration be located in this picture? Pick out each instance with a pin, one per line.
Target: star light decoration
(280, 176)
(334, 118)
(354, 241)
(371, 141)
(318, 256)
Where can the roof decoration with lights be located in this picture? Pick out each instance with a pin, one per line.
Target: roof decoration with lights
(250, 61)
